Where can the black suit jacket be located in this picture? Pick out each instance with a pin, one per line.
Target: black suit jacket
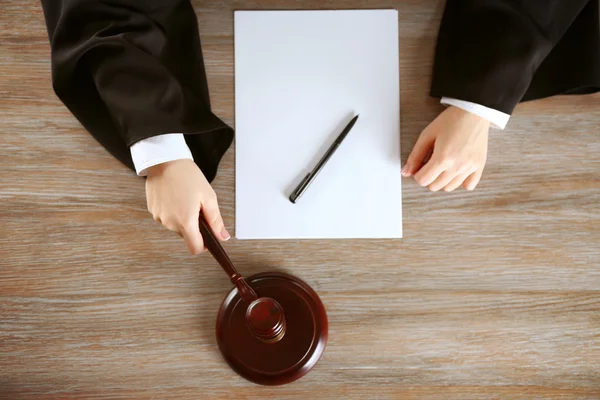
(498, 53)
(133, 69)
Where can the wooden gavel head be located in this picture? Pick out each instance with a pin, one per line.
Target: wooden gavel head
(265, 319)
(271, 328)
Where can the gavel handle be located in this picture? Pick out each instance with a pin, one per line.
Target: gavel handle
(214, 247)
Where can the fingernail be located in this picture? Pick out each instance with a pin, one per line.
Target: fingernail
(225, 235)
(405, 171)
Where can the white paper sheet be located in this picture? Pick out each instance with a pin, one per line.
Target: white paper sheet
(300, 76)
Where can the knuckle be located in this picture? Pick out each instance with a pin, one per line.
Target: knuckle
(471, 165)
(170, 223)
(446, 162)
(188, 225)
(218, 221)
(445, 155)
(172, 227)
(189, 219)
(210, 205)
(211, 196)
(463, 167)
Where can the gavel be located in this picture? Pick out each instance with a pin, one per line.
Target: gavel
(271, 328)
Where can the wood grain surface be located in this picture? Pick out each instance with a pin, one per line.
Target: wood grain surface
(493, 294)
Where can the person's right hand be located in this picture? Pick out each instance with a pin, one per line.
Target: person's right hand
(176, 191)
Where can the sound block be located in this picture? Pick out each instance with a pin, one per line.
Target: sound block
(300, 347)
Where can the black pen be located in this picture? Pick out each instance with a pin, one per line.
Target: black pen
(313, 174)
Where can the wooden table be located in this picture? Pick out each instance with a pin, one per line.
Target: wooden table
(491, 295)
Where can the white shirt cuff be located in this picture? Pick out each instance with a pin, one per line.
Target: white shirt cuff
(497, 118)
(157, 150)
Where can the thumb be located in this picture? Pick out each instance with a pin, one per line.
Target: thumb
(210, 209)
(418, 153)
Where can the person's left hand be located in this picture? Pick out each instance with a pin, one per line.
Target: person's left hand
(457, 141)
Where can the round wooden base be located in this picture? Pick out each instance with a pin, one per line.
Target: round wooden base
(287, 359)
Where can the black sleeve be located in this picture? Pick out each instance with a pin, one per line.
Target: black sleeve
(488, 51)
(133, 69)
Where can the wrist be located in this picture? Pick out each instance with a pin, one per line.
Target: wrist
(156, 170)
(462, 113)
(159, 169)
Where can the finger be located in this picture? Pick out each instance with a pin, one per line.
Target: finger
(192, 237)
(442, 180)
(473, 179)
(210, 209)
(417, 155)
(429, 173)
(456, 182)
